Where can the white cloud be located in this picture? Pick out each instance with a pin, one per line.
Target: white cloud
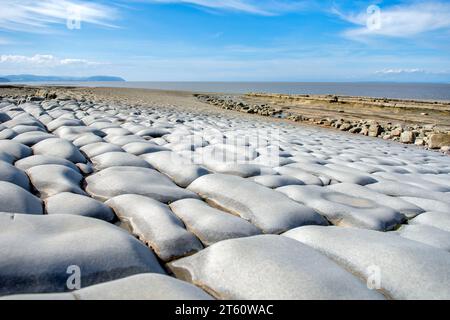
(409, 71)
(400, 71)
(42, 60)
(38, 16)
(258, 7)
(403, 21)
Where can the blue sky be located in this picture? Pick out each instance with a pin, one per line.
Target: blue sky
(233, 40)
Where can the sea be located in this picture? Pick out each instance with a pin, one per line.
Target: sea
(415, 91)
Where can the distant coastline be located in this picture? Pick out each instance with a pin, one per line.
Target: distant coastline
(35, 78)
(408, 91)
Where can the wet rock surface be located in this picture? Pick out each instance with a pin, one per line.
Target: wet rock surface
(215, 198)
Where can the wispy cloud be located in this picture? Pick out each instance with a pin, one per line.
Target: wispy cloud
(258, 7)
(409, 71)
(45, 60)
(39, 16)
(402, 21)
(399, 71)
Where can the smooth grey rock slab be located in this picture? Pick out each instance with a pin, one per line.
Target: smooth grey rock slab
(269, 210)
(87, 138)
(274, 181)
(23, 119)
(211, 225)
(243, 170)
(51, 179)
(103, 124)
(32, 137)
(72, 133)
(57, 123)
(305, 177)
(156, 225)
(426, 234)
(443, 179)
(10, 173)
(7, 134)
(59, 148)
(402, 206)
(4, 157)
(38, 160)
(15, 199)
(85, 168)
(13, 150)
(338, 175)
(152, 132)
(414, 180)
(408, 269)
(398, 189)
(180, 170)
(22, 129)
(38, 250)
(117, 181)
(440, 220)
(140, 148)
(118, 159)
(428, 204)
(158, 141)
(146, 286)
(269, 267)
(75, 204)
(124, 140)
(343, 209)
(4, 117)
(272, 161)
(95, 149)
(116, 132)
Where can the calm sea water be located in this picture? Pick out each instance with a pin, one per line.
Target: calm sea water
(420, 91)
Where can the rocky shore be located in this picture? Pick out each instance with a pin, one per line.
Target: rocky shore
(427, 135)
(105, 197)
